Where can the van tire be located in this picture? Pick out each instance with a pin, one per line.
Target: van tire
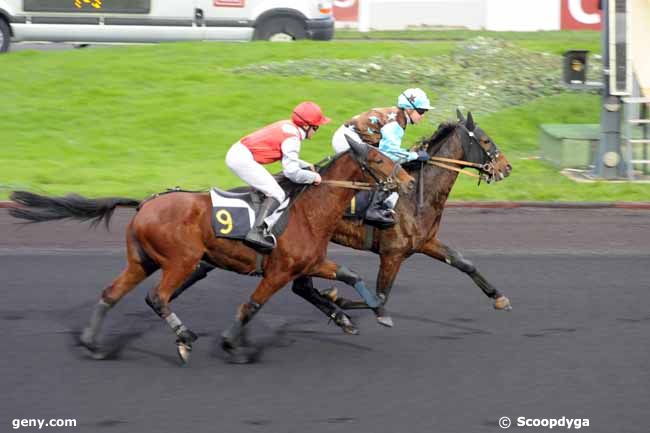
(274, 27)
(5, 33)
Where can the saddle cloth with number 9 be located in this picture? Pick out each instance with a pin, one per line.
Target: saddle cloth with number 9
(233, 214)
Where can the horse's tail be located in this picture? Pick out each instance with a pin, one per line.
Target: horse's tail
(38, 208)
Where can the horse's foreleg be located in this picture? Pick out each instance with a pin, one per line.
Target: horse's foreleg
(439, 251)
(123, 284)
(304, 287)
(233, 337)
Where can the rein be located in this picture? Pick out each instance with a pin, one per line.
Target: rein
(350, 184)
(434, 160)
(342, 183)
(387, 184)
(459, 162)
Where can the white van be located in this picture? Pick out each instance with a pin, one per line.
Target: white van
(87, 21)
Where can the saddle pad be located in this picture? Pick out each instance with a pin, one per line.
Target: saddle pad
(231, 217)
(358, 205)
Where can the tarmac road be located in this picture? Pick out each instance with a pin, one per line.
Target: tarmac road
(576, 344)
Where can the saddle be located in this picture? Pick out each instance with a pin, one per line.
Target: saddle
(233, 213)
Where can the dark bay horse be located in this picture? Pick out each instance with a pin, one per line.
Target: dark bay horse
(418, 224)
(173, 232)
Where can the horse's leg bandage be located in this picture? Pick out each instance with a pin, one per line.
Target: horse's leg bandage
(353, 279)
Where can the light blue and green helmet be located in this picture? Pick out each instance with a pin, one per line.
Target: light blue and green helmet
(414, 99)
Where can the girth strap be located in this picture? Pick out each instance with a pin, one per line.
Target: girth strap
(369, 238)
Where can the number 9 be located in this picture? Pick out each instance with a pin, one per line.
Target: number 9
(225, 219)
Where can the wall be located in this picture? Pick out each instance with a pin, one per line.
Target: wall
(346, 10)
(389, 15)
(516, 15)
(640, 43)
(522, 15)
(580, 15)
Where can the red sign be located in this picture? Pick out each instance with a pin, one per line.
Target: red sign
(581, 15)
(346, 10)
(230, 3)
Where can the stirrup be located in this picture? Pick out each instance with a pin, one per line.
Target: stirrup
(263, 241)
(380, 221)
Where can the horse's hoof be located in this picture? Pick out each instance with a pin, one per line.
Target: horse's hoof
(187, 336)
(332, 293)
(502, 303)
(184, 351)
(92, 350)
(228, 345)
(383, 317)
(386, 321)
(344, 322)
(242, 355)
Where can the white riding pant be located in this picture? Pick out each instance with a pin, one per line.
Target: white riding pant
(340, 144)
(241, 162)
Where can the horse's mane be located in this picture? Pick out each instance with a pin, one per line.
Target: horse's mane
(433, 144)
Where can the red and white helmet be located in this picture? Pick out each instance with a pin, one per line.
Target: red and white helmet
(308, 114)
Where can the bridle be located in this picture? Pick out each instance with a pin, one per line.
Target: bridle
(487, 170)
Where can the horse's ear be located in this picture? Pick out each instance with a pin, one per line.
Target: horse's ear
(461, 118)
(470, 122)
(358, 148)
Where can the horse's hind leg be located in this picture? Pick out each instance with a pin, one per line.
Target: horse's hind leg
(123, 284)
(439, 251)
(304, 287)
(332, 271)
(387, 272)
(173, 276)
(388, 268)
(200, 272)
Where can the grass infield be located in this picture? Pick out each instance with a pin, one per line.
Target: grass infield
(135, 120)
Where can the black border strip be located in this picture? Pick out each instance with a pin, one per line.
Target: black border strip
(229, 23)
(148, 22)
(65, 20)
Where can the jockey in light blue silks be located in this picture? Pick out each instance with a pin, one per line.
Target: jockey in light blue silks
(384, 128)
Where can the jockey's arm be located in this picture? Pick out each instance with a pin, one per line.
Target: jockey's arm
(305, 164)
(291, 163)
(391, 143)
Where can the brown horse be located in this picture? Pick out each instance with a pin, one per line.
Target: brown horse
(173, 232)
(418, 223)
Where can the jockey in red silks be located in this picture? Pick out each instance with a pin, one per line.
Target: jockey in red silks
(278, 141)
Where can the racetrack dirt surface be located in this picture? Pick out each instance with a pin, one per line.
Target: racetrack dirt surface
(576, 344)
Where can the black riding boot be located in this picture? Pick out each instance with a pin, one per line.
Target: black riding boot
(378, 213)
(258, 237)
